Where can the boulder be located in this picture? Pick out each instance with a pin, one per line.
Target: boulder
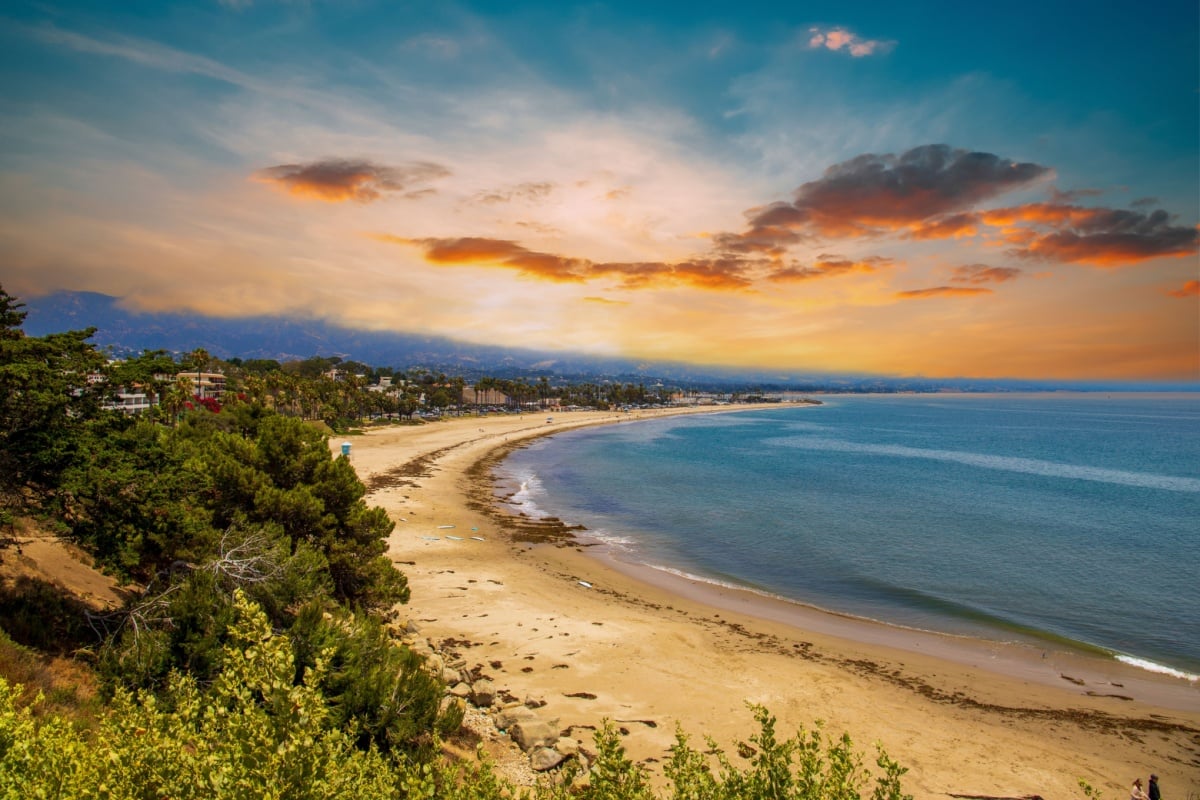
(531, 733)
(461, 689)
(506, 718)
(483, 693)
(567, 746)
(451, 677)
(544, 758)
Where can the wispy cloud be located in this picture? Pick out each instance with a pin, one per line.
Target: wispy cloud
(941, 291)
(1071, 195)
(146, 53)
(1189, 289)
(982, 273)
(529, 192)
(336, 180)
(842, 39)
(828, 266)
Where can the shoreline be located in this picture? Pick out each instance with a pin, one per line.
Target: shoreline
(873, 680)
(1026, 654)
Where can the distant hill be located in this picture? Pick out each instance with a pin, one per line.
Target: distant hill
(125, 332)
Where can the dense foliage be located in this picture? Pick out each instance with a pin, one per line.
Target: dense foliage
(194, 507)
(44, 397)
(254, 733)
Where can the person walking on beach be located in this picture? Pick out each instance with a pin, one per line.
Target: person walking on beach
(1155, 794)
(1135, 791)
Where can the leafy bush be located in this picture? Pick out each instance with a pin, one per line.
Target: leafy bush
(252, 734)
(255, 732)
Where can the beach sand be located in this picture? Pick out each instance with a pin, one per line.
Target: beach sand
(651, 651)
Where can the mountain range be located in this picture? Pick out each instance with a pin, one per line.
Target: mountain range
(123, 332)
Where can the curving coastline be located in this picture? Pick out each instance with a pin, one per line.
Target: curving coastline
(965, 716)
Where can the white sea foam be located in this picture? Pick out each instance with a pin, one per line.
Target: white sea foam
(612, 539)
(691, 576)
(529, 487)
(1032, 466)
(1151, 666)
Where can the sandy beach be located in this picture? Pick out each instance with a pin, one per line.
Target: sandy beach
(548, 617)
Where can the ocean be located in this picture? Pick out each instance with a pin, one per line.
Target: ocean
(1067, 520)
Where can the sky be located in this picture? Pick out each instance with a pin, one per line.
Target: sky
(938, 189)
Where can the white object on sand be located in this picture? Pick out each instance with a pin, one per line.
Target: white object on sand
(585, 584)
(440, 527)
(455, 538)
(478, 538)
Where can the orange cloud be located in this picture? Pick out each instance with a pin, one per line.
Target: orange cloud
(873, 194)
(841, 39)
(828, 267)
(955, 226)
(982, 273)
(711, 273)
(1189, 289)
(941, 291)
(1103, 237)
(500, 252)
(1055, 214)
(338, 180)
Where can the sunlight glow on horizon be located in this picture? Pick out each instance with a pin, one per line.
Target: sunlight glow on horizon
(432, 173)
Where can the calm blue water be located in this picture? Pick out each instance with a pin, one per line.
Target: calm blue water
(1068, 517)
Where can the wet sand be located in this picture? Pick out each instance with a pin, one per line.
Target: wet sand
(551, 618)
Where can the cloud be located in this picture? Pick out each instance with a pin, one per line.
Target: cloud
(941, 291)
(531, 192)
(539, 227)
(1189, 289)
(842, 39)
(443, 47)
(1103, 237)
(605, 301)
(872, 194)
(955, 226)
(1071, 195)
(828, 266)
(982, 273)
(336, 180)
(504, 253)
(704, 273)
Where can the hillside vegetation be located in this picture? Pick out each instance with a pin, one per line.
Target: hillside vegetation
(252, 656)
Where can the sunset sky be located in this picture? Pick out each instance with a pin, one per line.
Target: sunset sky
(939, 189)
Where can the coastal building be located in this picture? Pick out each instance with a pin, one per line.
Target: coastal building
(205, 385)
(131, 402)
(384, 385)
(483, 397)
